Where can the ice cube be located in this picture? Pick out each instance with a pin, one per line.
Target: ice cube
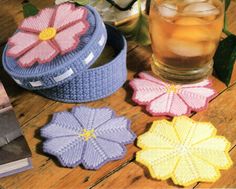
(201, 9)
(185, 48)
(167, 10)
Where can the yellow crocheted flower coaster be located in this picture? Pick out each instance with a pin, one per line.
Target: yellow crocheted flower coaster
(184, 150)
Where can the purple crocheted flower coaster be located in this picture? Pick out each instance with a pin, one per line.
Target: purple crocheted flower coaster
(87, 136)
(163, 98)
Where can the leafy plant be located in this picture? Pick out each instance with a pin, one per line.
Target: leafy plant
(29, 9)
(225, 55)
(224, 58)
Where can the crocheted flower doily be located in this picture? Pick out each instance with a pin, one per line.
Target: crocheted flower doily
(184, 150)
(42, 37)
(167, 99)
(87, 136)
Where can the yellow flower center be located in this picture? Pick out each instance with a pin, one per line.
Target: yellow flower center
(87, 134)
(47, 33)
(172, 88)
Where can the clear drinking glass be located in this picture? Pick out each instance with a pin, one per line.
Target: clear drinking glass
(185, 35)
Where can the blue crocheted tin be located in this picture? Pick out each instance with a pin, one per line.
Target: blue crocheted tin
(95, 83)
(65, 67)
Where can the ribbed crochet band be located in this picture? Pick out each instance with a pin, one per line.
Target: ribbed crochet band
(62, 68)
(95, 83)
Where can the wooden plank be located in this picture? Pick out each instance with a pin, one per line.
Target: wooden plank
(79, 178)
(221, 113)
(133, 176)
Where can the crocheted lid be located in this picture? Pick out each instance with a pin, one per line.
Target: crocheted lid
(95, 83)
(78, 44)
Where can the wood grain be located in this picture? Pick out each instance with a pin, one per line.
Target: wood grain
(34, 111)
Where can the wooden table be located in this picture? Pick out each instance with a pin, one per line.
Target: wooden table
(34, 111)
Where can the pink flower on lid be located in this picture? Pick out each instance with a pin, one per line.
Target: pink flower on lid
(53, 31)
(167, 99)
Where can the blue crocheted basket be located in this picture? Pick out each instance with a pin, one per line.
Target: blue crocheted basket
(64, 67)
(70, 77)
(95, 83)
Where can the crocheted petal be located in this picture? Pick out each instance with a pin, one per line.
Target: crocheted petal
(165, 130)
(67, 14)
(42, 53)
(191, 169)
(196, 98)
(168, 104)
(164, 170)
(215, 151)
(39, 22)
(53, 130)
(67, 120)
(185, 128)
(20, 43)
(91, 118)
(67, 149)
(99, 151)
(116, 129)
(203, 83)
(152, 140)
(145, 90)
(160, 163)
(202, 130)
(147, 76)
(68, 39)
(72, 157)
(57, 146)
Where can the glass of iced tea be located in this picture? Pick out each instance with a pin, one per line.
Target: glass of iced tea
(185, 35)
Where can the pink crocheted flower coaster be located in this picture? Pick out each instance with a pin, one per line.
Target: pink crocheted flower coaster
(168, 99)
(53, 31)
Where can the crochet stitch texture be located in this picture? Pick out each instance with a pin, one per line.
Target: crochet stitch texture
(184, 150)
(87, 136)
(53, 31)
(168, 99)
